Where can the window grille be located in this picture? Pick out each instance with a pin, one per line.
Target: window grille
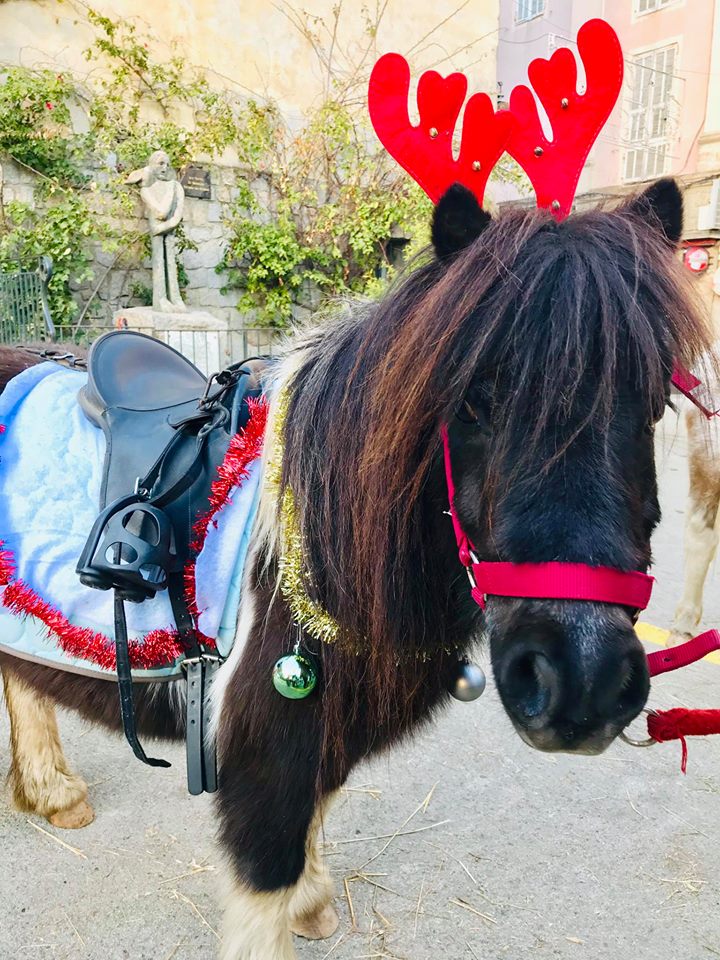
(528, 9)
(649, 114)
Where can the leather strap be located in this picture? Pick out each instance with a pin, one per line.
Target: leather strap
(125, 688)
(212, 665)
(193, 731)
(553, 580)
(200, 746)
(183, 618)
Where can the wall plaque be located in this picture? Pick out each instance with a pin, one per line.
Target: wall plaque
(196, 181)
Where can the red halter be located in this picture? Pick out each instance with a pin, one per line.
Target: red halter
(543, 581)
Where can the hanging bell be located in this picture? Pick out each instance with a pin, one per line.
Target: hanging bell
(468, 682)
(294, 676)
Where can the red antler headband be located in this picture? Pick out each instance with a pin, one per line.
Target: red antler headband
(553, 165)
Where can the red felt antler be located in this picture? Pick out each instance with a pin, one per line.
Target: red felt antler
(425, 151)
(554, 166)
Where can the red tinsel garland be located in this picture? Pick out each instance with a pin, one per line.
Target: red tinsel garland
(7, 565)
(159, 647)
(244, 448)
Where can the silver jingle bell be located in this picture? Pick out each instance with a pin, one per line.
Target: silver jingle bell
(469, 682)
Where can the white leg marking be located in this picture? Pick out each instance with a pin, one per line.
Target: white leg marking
(255, 925)
(701, 539)
(312, 914)
(702, 518)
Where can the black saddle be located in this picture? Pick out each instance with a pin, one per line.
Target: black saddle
(167, 429)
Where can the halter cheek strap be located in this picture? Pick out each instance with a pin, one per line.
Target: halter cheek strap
(544, 581)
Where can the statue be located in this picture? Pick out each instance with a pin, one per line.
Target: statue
(164, 199)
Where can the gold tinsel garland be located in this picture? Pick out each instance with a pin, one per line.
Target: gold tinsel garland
(307, 613)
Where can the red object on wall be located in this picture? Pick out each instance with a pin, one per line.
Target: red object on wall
(696, 259)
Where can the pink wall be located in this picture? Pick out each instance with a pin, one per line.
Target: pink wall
(690, 26)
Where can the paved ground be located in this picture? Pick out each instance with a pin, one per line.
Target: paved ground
(498, 851)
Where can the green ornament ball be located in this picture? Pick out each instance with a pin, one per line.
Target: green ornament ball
(294, 676)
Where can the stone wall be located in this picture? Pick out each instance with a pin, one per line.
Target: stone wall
(111, 287)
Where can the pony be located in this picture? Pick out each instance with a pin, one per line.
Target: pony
(545, 349)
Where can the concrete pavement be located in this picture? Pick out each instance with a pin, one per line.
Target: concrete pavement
(463, 844)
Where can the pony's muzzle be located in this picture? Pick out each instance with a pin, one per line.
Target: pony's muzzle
(572, 681)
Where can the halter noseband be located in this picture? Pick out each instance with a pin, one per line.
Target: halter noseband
(553, 580)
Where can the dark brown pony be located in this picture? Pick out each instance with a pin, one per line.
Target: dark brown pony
(547, 349)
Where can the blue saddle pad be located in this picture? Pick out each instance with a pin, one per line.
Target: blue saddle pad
(51, 462)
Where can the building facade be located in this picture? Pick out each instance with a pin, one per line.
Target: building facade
(667, 119)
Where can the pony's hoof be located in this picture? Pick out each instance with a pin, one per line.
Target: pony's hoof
(74, 818)
(318, 926)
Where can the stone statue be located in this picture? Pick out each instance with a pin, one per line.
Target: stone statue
(164, 199)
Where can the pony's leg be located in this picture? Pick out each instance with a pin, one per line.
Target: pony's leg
(258, 925)
(40, 779)
(267, 808)
(255, 924)
(701, 534)
(312, 914)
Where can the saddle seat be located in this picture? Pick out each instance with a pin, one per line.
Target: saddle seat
(137, 372)
(138, 390)
(164, 442)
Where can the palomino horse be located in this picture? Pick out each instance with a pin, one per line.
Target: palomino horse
(546, 349)
(702, 518)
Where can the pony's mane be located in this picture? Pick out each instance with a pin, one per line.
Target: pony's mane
(562, 305)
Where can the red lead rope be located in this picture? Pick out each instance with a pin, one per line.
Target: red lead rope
(679, 723)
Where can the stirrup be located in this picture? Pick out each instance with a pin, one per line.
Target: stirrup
(130, 549)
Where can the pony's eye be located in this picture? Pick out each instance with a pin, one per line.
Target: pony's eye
(474, 413)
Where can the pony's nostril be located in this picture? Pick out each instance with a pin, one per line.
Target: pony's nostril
(634, 684)
(531, 684)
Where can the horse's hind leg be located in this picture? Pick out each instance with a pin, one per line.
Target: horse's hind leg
(701, 525)
(40, 778)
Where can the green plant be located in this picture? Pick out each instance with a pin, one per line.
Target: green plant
(334, 202)
(61, 230)
(35, 127)
(80, 195)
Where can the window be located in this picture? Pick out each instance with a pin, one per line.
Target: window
(527, 9)
(650, 110)
(647, 6)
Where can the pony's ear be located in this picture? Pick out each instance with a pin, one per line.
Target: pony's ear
(662, 205)
(458, 220)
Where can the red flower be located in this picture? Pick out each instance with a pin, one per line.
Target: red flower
(48, 105)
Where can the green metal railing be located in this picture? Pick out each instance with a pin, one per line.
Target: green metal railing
(24, 306)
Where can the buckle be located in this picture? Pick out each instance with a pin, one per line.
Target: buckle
(203, 658)
(473, 558)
